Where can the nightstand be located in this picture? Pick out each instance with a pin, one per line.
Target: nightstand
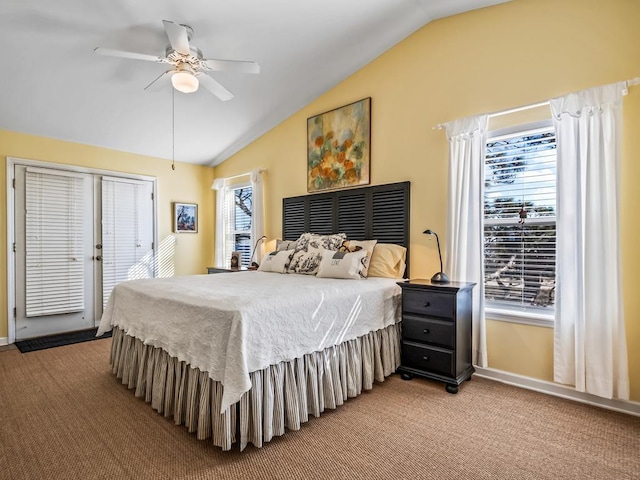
(225, 270)
(436, 331)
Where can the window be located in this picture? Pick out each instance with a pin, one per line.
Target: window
(239, 209)
(239, 217)
(520, 222)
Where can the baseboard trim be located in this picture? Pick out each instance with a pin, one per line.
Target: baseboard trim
(557, 390)
(4, 341)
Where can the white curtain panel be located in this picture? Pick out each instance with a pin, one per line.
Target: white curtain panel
(220, 185)
(465, 237)
(590, 349)
(257, 220)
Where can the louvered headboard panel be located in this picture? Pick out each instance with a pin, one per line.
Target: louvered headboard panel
(379, 212)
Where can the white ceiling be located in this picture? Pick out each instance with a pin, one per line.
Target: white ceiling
(53, 85)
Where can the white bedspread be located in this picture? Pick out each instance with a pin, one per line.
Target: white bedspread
(235, 323)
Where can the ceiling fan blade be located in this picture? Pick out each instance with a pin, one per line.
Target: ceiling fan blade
(214, 87)
(178, 37)
(156, 84)
(122, 54)
(237, 66)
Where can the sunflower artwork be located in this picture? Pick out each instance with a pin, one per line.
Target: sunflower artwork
(338, 147)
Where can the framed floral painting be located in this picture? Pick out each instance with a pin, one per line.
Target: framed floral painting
(338, 147)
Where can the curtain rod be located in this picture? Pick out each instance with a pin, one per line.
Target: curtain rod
(257, 170)
(221, 181)
(630, 83)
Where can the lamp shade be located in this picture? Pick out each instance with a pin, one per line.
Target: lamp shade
(185, 81)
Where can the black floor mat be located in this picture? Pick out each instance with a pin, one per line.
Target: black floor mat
(50, 341)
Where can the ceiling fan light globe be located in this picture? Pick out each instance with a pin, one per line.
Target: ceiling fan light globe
(184, 82)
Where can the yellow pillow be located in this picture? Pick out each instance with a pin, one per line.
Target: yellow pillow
(388, 260)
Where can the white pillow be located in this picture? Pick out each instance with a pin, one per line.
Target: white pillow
(342, 264)
(277, 262)
(357, 245)
(282, 245)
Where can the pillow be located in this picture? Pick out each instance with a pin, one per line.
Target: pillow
(309, 251)
(342, 264)
(356, 245)
(388, 260)
(282, 245)
(276, 261)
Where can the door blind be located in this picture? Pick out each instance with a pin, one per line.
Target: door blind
(127, 232)
(54, 272)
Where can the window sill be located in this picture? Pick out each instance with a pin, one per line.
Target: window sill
(524, 318)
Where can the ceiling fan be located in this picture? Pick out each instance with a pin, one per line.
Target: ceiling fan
(188, 65)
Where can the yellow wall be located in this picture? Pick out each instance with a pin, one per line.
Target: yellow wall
(496, 58)
(521, 349)
(181, 254)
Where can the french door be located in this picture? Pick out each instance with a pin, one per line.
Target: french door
(76, 236)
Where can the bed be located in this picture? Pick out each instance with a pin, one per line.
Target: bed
(242, 357)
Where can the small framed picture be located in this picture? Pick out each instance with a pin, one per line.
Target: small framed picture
(185, 217)
(235, 260)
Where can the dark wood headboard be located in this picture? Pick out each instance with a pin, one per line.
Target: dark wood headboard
(380, 212)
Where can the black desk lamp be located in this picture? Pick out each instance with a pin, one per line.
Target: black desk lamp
(254, 264)
(439, 277)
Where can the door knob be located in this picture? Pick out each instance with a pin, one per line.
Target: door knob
(99, 257)
(99, 246)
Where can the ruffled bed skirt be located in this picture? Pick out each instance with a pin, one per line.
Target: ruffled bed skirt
(282, 395)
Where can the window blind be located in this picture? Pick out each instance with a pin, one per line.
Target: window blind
(238, 210)
(228, 226)
(54, 273)
(127, 232)
(520, 220)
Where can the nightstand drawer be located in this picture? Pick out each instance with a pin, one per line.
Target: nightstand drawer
(428, 303)
(427, 358)
(428, 330)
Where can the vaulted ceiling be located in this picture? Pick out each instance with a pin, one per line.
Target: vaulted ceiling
(52, 84)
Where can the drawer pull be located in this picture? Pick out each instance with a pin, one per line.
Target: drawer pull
(427, 304)
(426, 330)
(425, 358)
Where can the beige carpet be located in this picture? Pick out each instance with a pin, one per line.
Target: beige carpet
(63, 415)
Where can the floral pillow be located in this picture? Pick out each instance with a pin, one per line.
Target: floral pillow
(308, 252)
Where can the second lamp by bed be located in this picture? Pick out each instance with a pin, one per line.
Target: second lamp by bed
(439, 277)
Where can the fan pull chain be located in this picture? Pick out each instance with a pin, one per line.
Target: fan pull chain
(173, 129)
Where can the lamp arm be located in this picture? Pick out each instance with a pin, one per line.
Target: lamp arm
(439, 277)
(254, 264)
(439, 252)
